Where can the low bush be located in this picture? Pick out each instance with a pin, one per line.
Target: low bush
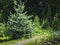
(2, 29)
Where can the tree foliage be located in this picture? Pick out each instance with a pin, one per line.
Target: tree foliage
(19, 23)
(44, 9)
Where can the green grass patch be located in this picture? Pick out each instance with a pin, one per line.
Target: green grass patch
(45, 36)
(12, 41)
(4, 38)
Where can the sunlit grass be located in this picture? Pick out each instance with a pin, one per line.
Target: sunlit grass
(44, 36)
(12, 41)
(4, 38)
(41, 34)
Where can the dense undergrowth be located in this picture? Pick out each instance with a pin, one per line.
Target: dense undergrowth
(45, 38)
(19, 25)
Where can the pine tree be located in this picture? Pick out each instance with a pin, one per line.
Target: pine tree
(19, 23)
